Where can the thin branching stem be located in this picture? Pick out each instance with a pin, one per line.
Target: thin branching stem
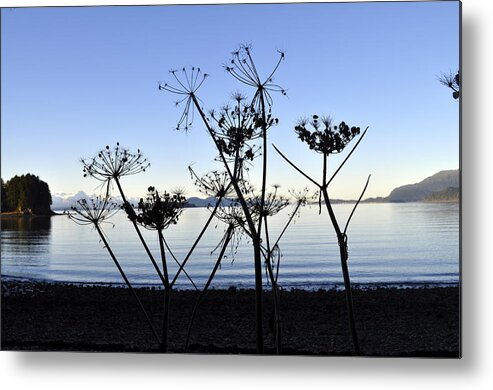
(127, 282)
(234, 180)
(298, 205)
(295, 167)
(134, 222)
(227, 238)
(324, 172)
(347, 157)
(341, 237)
(342, 241)
(356, 204)
(255, 237)
(264, 158)
(167, 293)
(179, 264)
(189, 254)
(275, 291)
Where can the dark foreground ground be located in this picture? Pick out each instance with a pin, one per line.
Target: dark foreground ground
(390, 322)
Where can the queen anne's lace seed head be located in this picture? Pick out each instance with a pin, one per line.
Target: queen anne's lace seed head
(159, 211)
(93, 211)
(214, 184)
(242, 67)
(186, 83)
(237, 127)
(273, 204)
(114, 163)
(324, 136)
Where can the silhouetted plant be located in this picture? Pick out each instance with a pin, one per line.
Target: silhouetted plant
(155, 212)
(271, 206)
(214, 184)
(158, 212)
(95, 212)
(188, 82)
(111, 164)
(224, 245)
(301, 198)
(114, 163)
(326, 138)
(236, 127)
(453, 82)
(232, 215)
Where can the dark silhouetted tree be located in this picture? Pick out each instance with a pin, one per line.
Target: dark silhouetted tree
(28, 192)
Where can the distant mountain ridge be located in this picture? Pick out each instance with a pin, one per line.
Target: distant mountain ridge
(440, 187)
(419, 191)
(64, 201)
(450, 194)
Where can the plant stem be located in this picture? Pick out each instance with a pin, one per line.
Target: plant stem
(218, 202)
(264, 160)
(275, 292)
(257, 255)
(347, 157)
(298, 205)
(342, 241)
(356, 204)
(132, 219)
(341, 237)
(227, 238)
(122, 273)
(167, 294)
(179, 264)
(295, 167)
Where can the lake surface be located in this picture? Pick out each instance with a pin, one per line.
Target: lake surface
(389, 244)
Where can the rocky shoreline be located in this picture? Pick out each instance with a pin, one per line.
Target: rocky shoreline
(390, 322)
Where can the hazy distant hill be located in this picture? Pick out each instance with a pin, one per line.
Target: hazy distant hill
(450, 194)
(439, 182)
(441, 187)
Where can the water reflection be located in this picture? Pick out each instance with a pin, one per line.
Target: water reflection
(389, 243)
(27, 223)
(26, 241)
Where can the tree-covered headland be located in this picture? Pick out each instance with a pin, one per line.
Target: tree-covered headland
(26, 194)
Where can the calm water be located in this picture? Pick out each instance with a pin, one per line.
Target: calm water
(409, 243)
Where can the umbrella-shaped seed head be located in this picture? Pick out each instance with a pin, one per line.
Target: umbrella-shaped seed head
(159, 211)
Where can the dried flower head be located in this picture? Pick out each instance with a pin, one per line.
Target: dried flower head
(242, 67)
(93, 211)
(273, 203)
(215, 184)
(232, 214)
(237, 126)
(301, 196)
(451, 81)
(325, 137)
(113, 163)
(187, 83)
(157, 212)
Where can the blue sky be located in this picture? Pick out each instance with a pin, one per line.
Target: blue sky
(77, 79)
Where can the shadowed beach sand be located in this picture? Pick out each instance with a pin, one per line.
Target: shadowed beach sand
(390, 322)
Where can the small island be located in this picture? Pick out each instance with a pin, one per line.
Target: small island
(26, 195)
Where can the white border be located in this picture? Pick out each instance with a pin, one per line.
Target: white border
(132, 371)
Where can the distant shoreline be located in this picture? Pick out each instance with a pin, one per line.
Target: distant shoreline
(17, 214)
(301, 287)
(59, 211)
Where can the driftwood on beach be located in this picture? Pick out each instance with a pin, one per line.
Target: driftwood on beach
(391, 322)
